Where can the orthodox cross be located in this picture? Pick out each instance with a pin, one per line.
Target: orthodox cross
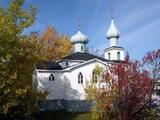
(78, 24)
(111, 11)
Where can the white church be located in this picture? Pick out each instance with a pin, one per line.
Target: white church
(66, 78)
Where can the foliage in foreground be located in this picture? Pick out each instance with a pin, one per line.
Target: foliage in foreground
(17, 57)
(124, 93)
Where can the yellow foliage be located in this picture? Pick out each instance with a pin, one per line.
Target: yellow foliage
(53, 45)
(49, 34)
(91, 91)
(18, 54)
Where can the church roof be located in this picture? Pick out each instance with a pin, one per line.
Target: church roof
(83, 56)
(49, 66)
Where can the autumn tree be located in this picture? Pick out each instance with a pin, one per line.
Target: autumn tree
(92, 90)
(124, 93)
(17, 57)
(151, 62)
(54, 45)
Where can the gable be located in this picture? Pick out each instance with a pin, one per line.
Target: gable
(89, 63)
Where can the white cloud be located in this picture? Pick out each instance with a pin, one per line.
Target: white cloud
(138, 14)
(141, 34)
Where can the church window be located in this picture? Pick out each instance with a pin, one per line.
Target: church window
(109, 56)
(94, 76)
(80, 78)
(118, 55)
(81, 48)
(51, 77)
(66, 63)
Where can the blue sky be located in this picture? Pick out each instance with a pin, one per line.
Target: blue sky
(137, 20)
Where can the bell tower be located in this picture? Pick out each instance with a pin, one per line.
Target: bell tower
(113, 52)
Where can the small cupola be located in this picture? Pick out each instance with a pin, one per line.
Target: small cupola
(113, 34)
(79, 40)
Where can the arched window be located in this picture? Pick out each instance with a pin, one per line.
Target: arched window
(51, 77)
(94, 76)
(66, 63)
(82, 48)
(109, 56)
(80, 78)
(118, 55)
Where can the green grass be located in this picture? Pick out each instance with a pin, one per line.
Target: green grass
(63, 115)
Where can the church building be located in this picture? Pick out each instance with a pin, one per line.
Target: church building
(66, 78)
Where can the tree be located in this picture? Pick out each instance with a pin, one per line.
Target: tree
(92, 90)
(124, 93)
(17, 57)
(151, 62)
(53, 45)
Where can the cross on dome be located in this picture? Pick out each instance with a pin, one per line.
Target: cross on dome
(79, 24)
(111, 11)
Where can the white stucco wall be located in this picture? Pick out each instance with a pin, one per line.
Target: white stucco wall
(66, 84)
(75, 90)
(113, 42)
(79, 47)
(113, 54)
(54, 88)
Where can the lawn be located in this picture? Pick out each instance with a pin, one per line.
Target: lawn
(63, 115)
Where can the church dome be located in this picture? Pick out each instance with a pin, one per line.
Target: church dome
(79, 38)
(113, 32)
